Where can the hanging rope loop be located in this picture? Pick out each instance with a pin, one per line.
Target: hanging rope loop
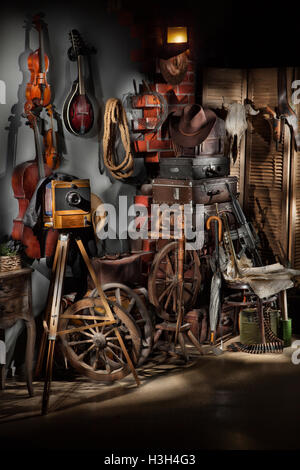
(115, 120)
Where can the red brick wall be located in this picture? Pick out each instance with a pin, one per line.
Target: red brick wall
(153, 146)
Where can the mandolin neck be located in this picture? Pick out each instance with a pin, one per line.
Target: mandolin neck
(80, 75)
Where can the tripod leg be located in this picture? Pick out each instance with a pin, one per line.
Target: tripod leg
(127, 357)
(47, 383)
(94, 278)
(42, 349)
(54, 316)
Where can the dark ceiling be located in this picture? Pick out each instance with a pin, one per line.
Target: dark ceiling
(233, 33)
(229, 33)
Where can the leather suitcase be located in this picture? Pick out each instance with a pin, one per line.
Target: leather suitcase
(212, 190)
(176, 168)
(168, 191)
(210, 166)
(204, 191)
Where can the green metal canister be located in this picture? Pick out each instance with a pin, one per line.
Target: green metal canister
(249, 328)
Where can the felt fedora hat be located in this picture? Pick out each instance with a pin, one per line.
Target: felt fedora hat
(193, 125)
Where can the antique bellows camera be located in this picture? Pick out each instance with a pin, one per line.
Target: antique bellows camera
(67, 204)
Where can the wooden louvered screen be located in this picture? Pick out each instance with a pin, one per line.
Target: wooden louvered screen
(266, 197)
(294, 239)
(226, 85)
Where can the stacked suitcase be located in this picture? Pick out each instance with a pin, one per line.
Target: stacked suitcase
(201, 178)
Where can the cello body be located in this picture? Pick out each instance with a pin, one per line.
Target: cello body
(24, 181)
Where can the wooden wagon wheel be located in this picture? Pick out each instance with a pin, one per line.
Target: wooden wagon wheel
(163, 282)
(134, 306)
(95, 352)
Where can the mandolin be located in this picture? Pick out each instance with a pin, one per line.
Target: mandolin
(78, 113)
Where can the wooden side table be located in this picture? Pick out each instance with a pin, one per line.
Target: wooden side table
(16, 304)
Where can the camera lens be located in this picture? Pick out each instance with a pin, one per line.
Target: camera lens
(73, 198)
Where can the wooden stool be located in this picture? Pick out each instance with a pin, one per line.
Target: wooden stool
(184, 332)
(16, 304)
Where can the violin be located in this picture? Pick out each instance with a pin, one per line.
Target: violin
(25, 178)
(52, 158)
(78, 113)
(38, 90)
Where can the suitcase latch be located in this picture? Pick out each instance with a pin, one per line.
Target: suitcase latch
(176, 194)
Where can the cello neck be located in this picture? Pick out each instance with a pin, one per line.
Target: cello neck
(39, 152)
(42, 51)
(80, 75)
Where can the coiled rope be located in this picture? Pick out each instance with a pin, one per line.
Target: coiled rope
(114, 119)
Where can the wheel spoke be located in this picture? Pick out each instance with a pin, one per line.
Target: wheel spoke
(92, 312)
(85, 333)
(165, 292)
(169, 297)
(115, 355)
(75, 343)
(114, 346)
(174, 301)
(109, 331)
(81, 356)
(90, 329)
(169, 265)
(95, 363)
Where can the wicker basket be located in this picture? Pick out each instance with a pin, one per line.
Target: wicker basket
(10, 263)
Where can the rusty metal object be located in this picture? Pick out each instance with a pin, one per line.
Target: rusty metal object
(126, 270)
(163, 281)
(134, 305)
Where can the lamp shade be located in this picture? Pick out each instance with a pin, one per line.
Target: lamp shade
(177, 35)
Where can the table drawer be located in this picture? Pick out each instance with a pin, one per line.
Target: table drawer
(11, 309)
(15, 286)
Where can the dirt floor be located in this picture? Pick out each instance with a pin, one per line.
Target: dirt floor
(230, 401)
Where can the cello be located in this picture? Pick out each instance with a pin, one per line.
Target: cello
(25, 178)
(78, 113)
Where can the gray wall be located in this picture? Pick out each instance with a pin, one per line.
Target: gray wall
(112, 76)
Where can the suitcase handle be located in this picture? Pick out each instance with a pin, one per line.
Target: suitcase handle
(213, 192)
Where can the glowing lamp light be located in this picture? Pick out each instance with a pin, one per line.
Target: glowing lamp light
(177, 35)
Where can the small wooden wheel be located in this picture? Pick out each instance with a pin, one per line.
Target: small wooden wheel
(95, 351)
(135, 307)
(163, 282)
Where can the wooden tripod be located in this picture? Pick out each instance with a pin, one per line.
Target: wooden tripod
(53, 311)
